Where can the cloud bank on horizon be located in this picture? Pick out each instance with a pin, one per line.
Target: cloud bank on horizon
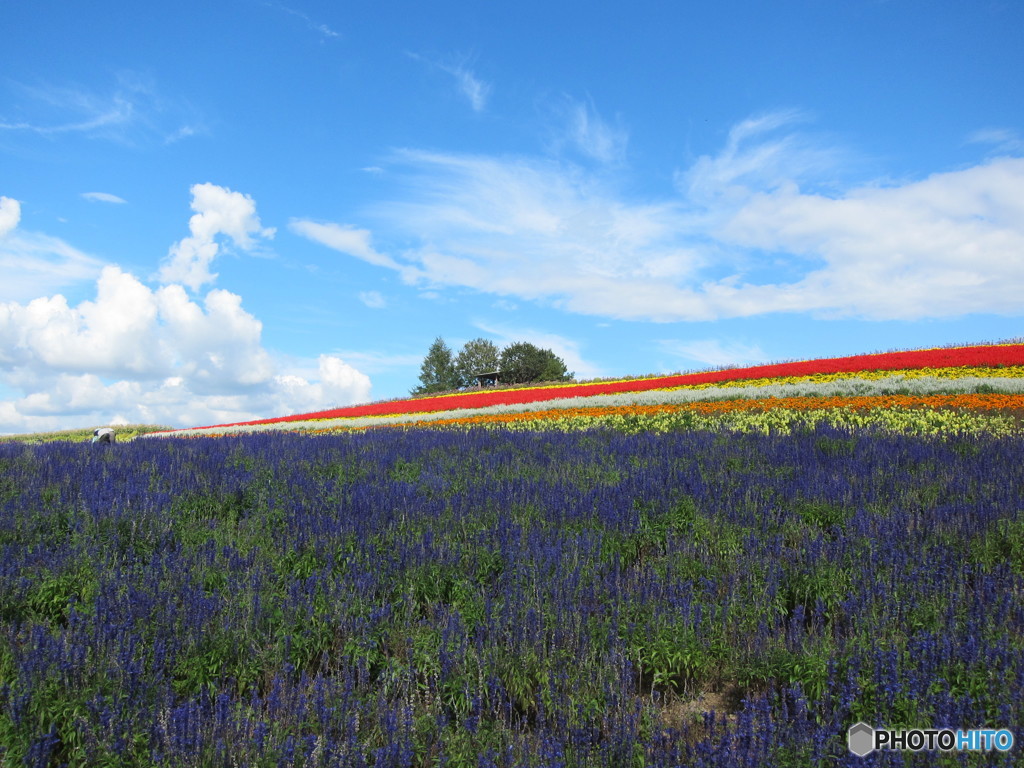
(358, 185)
(155, 355)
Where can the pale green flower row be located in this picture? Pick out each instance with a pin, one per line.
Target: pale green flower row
(782, 421)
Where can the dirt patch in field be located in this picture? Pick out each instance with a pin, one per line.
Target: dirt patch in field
(725, 703)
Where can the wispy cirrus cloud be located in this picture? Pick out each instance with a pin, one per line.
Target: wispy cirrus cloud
(103, 197)
(762, 153)
(1002, 140)
(379, 362)
(566, 348)
(714, 352)
(33, 263)
(131, 110)
(373, 299)
(579, 126)
(345, 239)
(321, 29)
(767, 224)
(74, 110)
(471, 87)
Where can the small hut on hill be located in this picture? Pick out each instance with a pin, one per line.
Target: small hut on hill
(487, 379)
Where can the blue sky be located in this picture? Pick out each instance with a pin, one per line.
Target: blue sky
(218, 211)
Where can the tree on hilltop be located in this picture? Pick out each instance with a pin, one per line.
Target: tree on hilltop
(522, 363)
(437, 374)
(518, 363)
(476, 356)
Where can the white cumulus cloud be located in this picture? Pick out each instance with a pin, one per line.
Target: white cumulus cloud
(135, 353)
(218, 211)
(10, 214)
(334, 383)
(152, 356)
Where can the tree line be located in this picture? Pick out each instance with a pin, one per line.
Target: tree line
(518, 363)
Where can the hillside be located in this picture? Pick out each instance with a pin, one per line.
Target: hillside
(510, 598)
(941, 387)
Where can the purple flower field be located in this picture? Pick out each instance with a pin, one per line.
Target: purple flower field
(482, 598)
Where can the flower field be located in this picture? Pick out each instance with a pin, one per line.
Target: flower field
(686, 575)
(960, 388)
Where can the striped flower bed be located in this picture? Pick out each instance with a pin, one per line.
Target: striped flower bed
(941, 381)
(997, 414)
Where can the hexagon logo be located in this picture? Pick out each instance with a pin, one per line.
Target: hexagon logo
(861, 739)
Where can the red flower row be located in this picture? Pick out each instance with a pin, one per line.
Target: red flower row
(989, 355)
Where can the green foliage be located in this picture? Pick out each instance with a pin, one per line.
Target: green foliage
(677, 658)
(476, 356)
(406, 471)
(52, 597)
(805, 585)
(522, 363)
(822, 514)
(518, 363)
(1003, 543)
(437, 373)
(806, 667)
(836, 446)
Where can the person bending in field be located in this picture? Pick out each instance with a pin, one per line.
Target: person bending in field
(103, 435)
